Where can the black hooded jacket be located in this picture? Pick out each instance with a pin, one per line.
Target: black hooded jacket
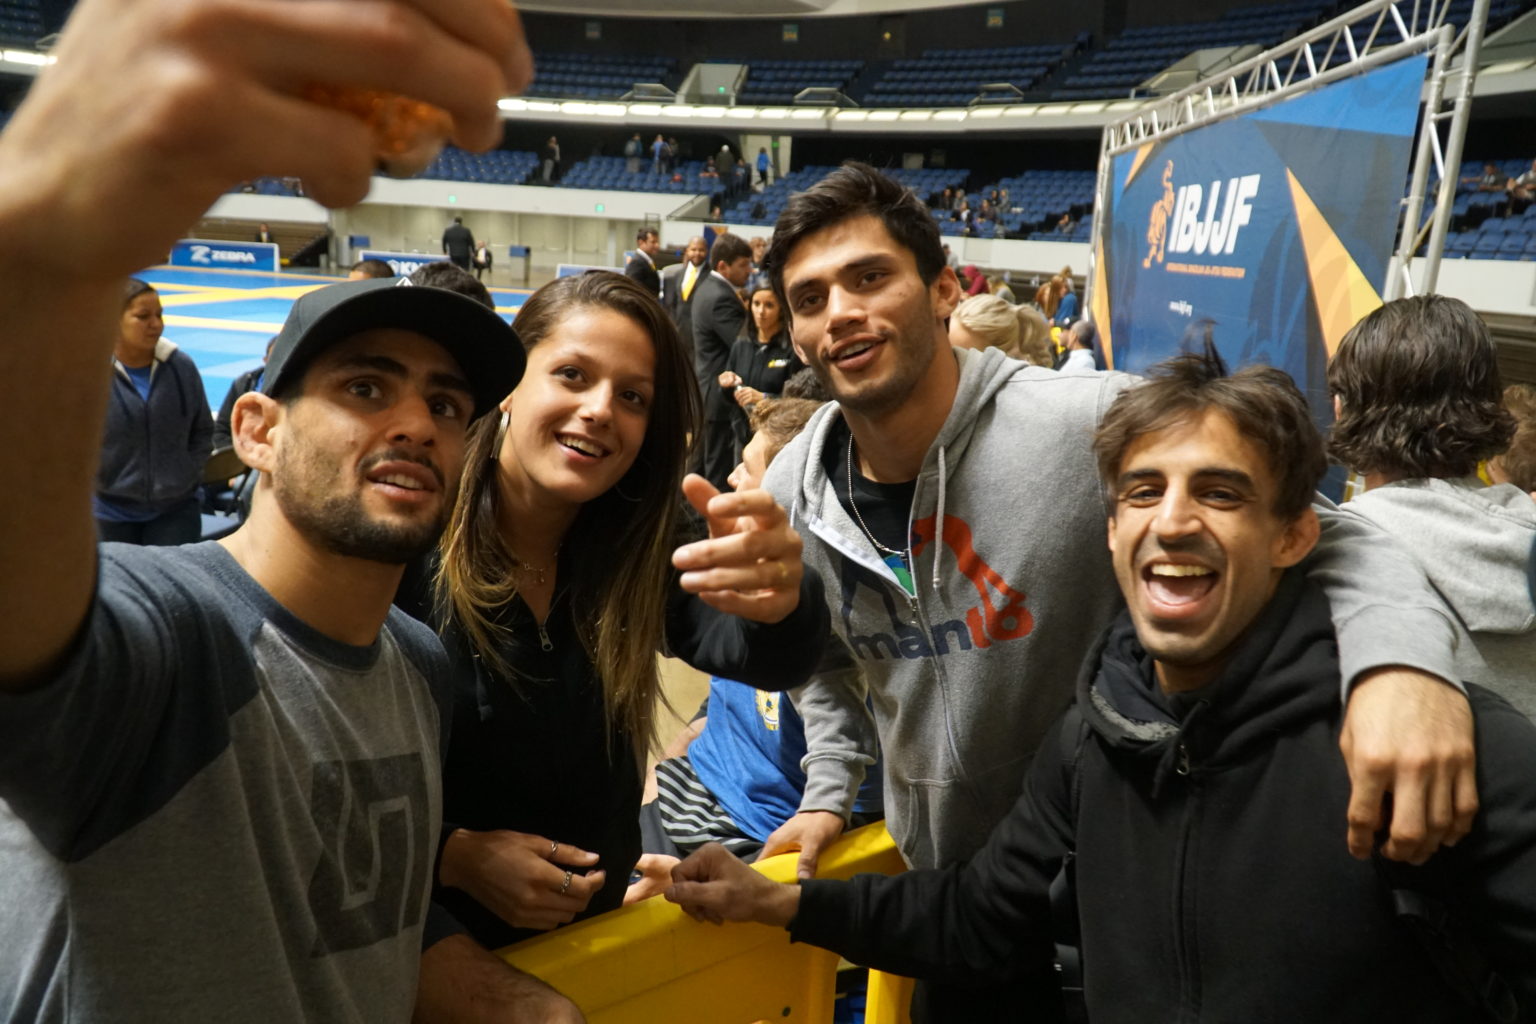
(1212, 878)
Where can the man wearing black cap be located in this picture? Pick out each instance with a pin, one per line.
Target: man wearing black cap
(221, 797)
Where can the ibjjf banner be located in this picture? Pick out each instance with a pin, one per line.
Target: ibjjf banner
(404, 264)
(1273, 228)
(204, 252)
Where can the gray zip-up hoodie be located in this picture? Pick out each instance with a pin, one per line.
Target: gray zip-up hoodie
(153, 452)
(1475, 544)
(966, 676)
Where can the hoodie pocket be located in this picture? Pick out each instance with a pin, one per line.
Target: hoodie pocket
(941, 821)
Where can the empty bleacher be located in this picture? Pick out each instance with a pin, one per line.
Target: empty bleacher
(1139, 53)
(597, 76)
(21, 21)
(498, 167)
(954, 78)
(770, 201)
(779, 81)
(608, 172)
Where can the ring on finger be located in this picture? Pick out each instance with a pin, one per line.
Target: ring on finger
(783, 572)
(565, 884)
(553, 846)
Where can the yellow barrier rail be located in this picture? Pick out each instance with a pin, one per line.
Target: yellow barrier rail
(652, 964)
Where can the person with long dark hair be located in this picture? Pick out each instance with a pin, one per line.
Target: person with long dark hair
(554, 590)
(760, 362)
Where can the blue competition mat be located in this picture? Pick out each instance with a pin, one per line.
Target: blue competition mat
(223, 319)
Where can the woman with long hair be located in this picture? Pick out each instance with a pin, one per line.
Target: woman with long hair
(760, 361)
(554, 590)
(158, 433)
(1049, 295)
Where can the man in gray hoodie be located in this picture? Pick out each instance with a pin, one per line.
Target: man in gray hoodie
(1419, 406)
(949, 499)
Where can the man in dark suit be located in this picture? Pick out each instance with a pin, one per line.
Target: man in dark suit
(642, 265)
(458, 243)
(677, 284)
(718, 317)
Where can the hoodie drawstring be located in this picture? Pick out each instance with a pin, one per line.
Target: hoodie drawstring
(938, 548)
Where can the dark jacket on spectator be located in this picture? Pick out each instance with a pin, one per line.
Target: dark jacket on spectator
(1212, 879)
(153, 452)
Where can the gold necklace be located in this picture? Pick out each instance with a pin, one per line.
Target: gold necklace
(533, 570)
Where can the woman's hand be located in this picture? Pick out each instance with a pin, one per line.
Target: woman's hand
(729, 380)
(746, 396)
(750, 565)
(528, 881)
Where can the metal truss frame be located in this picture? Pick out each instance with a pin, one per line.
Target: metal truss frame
(1348, 46)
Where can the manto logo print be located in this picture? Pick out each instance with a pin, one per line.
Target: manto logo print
(998, 615)
(1199, 220)
(209, 255)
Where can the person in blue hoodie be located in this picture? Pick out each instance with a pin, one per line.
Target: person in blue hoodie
(158, 434)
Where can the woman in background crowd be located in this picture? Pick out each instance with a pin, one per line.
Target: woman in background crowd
(760, 361)
(1048, 296)
(158, 433)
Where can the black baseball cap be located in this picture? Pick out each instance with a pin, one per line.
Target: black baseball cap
(485, 346)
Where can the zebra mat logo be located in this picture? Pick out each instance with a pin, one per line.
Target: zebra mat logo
(208, 255)
(1199, 220)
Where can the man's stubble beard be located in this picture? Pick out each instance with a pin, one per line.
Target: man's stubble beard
(341, 525)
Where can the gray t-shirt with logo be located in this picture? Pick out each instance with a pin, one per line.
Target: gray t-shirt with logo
(215, 813)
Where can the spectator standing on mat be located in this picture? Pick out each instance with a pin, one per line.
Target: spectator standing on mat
(158, 433)
(458, 243)
(641, 267)
(718, 317)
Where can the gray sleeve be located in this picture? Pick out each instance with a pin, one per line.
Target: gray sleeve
(139, 707)
(840, 737)
(1384, 610)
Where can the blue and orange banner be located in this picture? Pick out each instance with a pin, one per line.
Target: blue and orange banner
(1274, 228)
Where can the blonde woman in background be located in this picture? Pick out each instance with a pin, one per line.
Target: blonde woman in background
(986, 321)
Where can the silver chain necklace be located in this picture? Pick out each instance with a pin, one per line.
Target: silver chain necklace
(855, 507)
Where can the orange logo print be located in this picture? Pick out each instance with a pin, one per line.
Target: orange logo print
(1157, 225)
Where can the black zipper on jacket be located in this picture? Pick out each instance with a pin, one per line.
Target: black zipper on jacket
(1186, 939)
